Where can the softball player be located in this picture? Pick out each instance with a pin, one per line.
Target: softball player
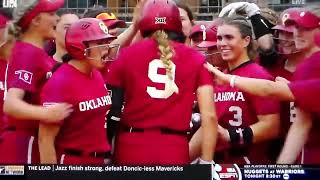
(305, 128)
(158, 87)
(6, 42)
(66, 19)
(246, 122)
(29, 67)
(285, 66)
(81, 138)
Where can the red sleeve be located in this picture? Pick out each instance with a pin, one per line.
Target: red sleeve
(204, 76)
(306, 94)
(53, 93)
(264, 106)
(116, 73)
(27, 73)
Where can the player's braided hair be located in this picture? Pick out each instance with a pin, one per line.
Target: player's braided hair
(166, 56)
(22, 8)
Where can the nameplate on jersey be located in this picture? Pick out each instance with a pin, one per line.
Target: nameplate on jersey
(24, 75)
(228, 96)
(94, 103)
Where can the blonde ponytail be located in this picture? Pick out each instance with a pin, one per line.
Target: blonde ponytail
(166, 55)
(14, 30)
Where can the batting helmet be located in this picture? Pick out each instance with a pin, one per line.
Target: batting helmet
(305, 19)
(210, 34)
(286, 15)
(160, 15)
(82, 31)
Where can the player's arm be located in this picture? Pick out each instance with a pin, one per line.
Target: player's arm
(195, 144)
(266, 128)
(16, 107)
(125, 38)
(47, 135)
(209, 124)
(296, 138)
(259, 87)
(114, 115)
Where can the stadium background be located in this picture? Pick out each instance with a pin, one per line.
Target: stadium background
(202, 9)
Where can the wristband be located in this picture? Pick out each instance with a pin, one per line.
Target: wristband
(260, 26)
(247, 135)
(240, 136)
(233, 80)
(234, 136)
(201, 161)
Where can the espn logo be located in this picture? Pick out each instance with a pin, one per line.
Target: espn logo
(226, 171)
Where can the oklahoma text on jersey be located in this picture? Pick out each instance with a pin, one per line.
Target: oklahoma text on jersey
(95, 103)
(228, 96)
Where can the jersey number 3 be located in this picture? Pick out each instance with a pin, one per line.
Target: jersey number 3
(237, 121)
(153, 75)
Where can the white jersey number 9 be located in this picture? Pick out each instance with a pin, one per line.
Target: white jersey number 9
(153, 75)
(237, 121)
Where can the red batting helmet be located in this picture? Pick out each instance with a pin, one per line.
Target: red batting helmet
(210, 34)
(305, 19)
(85, 30)
(160, 15)
(286, 15)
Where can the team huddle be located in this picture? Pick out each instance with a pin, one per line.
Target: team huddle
(241, 89)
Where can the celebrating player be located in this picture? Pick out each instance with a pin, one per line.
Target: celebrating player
(246, 121)
(187, 19)
(300, 89)
(6, 43)
(284, 66)
(158, 87)
(29, 67)
(66, 19)
(81, 138)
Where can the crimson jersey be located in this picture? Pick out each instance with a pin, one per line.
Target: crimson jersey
(287, 109)
(3, 65)
(84, 129)
(143, 78)
(106, 70)
(29, 68)
(309, 70)
(236, 108)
